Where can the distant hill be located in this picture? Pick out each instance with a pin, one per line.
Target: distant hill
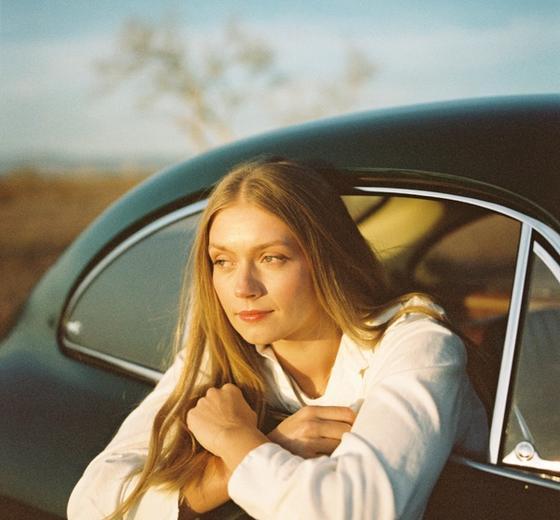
(39, 216)
(60, 164)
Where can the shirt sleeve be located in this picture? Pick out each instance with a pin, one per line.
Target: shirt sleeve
(106, 480)
(387, 465)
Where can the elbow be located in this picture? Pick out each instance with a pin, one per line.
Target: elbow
(81, 507)
(357, 494)
(76, 508)
(96, 496)
(344, 489)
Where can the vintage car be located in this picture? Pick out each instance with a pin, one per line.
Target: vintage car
(460, 199)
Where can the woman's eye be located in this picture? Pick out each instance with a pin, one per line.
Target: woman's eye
(274, 259)
(220, 262)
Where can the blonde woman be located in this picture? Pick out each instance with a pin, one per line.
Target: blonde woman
(300, 390)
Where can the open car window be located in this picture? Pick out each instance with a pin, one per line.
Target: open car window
(449, 250)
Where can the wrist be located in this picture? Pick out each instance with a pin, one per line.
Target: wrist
(238, 442)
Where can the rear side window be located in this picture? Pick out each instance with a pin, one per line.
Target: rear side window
(533, 423)
(127, 308)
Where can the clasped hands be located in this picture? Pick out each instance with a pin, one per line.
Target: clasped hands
(226, 426)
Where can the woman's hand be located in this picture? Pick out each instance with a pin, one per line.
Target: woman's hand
(225, 424)
(313, 430)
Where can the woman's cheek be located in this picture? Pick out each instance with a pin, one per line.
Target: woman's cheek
(220, 286)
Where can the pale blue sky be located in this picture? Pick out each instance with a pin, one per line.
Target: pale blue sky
(424, 51)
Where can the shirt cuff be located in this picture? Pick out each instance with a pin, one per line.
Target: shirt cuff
(249, 484)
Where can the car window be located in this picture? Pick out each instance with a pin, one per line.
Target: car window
(449, 250)
(533, 424)
(469, 257)
(127, 307)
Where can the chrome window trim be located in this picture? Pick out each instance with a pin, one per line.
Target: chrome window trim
(498, 417)
(128, 366)
(548, 233)
(542, 480)
(547, 259)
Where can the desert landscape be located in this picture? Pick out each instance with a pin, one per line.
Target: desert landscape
(40, 215)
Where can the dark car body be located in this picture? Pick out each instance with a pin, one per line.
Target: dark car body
(481, 172)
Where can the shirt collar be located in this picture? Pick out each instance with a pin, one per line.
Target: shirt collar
(350, 354)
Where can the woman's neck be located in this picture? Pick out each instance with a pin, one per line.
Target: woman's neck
(309, 362)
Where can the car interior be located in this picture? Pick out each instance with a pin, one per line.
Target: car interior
(465, 256)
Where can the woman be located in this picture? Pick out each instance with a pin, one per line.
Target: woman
(290, 324)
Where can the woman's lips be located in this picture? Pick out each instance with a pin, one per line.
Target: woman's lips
(252, 316)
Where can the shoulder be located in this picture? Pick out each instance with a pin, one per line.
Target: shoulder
(417, 339)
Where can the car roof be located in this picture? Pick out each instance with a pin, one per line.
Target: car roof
(511, 142)
(507, 148)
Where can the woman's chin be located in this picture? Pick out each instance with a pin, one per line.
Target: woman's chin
(257, 337)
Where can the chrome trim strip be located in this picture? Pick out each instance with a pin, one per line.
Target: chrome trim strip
(509, 342)
(534, 463)
(544, 255)
(543, 480)
(147, 373)
(551, 235)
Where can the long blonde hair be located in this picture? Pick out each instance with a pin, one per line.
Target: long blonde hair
(348, 279)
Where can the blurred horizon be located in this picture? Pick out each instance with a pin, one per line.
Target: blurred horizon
(56, 115)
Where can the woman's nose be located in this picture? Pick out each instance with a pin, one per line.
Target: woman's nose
(247, 284)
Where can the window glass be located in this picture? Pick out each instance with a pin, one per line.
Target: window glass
(533, 425)
(477, 259)
(461, 254)
(129, 309)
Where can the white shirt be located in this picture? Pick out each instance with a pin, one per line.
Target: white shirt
(415, 405)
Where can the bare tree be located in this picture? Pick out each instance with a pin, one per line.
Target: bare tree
(210, 86)
(330, 96)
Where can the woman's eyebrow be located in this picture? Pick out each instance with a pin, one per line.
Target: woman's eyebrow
(258, 247)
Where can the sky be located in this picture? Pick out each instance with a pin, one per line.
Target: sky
(52, 107)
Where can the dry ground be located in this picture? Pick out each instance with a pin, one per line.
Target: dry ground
(39, 217)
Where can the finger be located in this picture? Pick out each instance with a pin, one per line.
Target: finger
(332, 429)
(323, 446)
(230, 387)
(211, 392)
(333, 413)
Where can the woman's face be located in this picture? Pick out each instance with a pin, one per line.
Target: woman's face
(261, 277)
